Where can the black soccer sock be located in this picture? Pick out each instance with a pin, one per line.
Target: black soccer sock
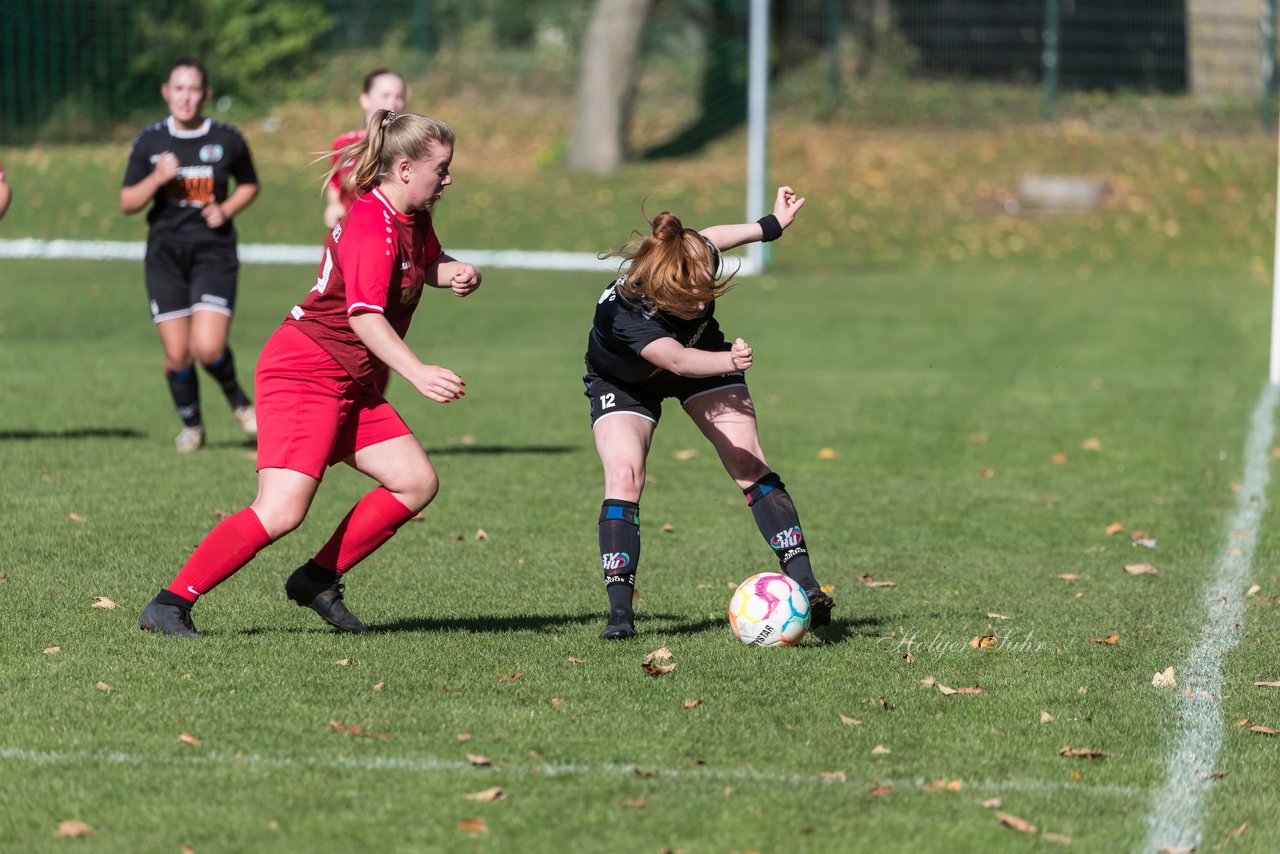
(184, 386)
(619, 553)
(778, 521)
(224, 371)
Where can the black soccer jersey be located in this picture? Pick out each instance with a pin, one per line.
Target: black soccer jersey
(623, 328)
(208, 157)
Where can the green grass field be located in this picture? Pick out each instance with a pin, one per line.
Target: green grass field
(960, 400)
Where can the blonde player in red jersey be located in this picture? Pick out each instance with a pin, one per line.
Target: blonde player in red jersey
(384, 89)
(321, 376)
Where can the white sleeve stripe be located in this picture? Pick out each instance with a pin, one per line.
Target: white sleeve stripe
(356, 306)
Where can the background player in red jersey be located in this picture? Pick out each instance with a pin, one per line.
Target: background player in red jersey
(321, 375)
(183, 167)
(654, 337)
(6, 195)
(383, 89)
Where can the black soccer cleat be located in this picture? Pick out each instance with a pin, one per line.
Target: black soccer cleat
(820, 605)
(325, 598)
(169, 619)
(621, 626)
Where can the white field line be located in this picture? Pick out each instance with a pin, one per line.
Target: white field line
(270, 253)
(430, 765)
(1176, 816)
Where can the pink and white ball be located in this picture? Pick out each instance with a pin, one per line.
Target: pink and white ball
(769, 609)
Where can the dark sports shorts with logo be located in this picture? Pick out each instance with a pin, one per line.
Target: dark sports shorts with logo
(185, 277)
(610, 397)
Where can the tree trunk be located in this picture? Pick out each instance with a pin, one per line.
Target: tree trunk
(606, 85)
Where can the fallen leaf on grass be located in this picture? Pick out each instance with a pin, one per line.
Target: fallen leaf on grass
(557, 701)
(1110, 640)
(482, 534)
(188, 738)
(76, 517)
(992, 803)
(478, 760)
(871, 582)
(463, 737)
(976, 438)
(880, 750)
(103, 602)
(378, 686)
(660, 654)
(1237, 552)
(1045, 717)
(986, 473)
(667, 528)
(345, 662)
(947, 692)
(1240, 723)
(685, 453)
(827, 454)
(1069, 576)
(492, 794)
(1164, 679)
(1114, 528)
(1263, 730)
(1181, 849)
(511, 677)
(637, 804)
(879, 790)
(1019, 824)
(640, 772)
(102, 686)
(1211, 775)
(838, 776)
(72, 829)
(983, 642)
(1267, 684)
(572, 660)
(1091, 444)
(1145, 542)
(1084, 752)
(51, 650)
(942, 786)
(474, 826)
(1058, 459)
(991, 616)
(691, 702)
(1140, 569)
(1059, 838)
(848, 721)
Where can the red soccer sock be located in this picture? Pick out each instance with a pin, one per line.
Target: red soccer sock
(372, 522)
(230, 545)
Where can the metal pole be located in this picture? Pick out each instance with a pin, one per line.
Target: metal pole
(1275, 285)
(1049, 56)
(1268, 63)
(757, 126)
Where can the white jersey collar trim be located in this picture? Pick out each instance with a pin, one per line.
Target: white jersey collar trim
(187, 134)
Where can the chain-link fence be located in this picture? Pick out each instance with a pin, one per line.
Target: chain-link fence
(74, 69)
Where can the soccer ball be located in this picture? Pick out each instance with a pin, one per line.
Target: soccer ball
(769, 609)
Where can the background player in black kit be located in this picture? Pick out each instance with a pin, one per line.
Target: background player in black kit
(184, 166)
(655, 336)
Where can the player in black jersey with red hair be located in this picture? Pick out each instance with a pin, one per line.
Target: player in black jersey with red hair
(655, 336)
(184, 166)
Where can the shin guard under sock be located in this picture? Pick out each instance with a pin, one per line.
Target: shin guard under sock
(776, 517)
(224, 371)
(184, 387)
(372, 522)
(230, 545)
(619, 534)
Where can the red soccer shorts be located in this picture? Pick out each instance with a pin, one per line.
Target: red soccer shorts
(311, 413)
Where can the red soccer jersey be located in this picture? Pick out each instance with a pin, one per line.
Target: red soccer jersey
(374, 260)
(340, 142)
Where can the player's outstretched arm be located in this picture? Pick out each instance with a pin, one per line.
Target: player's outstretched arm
(786, 204)
(432, 381)
(671, 355)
